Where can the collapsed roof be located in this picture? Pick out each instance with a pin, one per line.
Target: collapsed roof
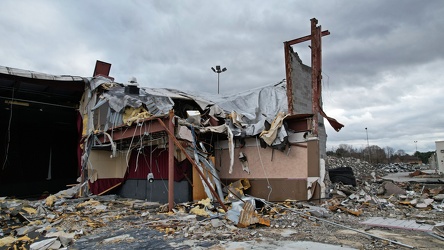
(246, 113)
(39, 131)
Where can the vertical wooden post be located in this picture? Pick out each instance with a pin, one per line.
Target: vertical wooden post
(288, 76)
(315, 38)
(314, 74)
(171, 162)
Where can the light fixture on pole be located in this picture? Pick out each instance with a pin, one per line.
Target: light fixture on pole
(218, 70)
(416, 146)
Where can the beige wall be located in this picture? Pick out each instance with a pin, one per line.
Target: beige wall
(105, 166)
(293, 165)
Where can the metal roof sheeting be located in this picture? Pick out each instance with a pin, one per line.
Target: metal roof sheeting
(37, 75)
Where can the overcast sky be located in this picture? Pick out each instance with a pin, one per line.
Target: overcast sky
(382, 62)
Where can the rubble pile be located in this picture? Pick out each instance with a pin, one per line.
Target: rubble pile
(363, 170)
(374, 196)
(57, 223)
(397, 167)
(101, 222)
(98, 222)
(389, 200)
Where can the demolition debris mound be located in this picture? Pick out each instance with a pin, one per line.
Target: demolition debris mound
(363, 170)
(366, 216)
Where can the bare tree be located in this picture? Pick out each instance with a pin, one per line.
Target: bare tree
(389, 151)
(400, 152)
(378, 154)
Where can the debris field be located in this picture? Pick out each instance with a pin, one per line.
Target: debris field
(376, 213)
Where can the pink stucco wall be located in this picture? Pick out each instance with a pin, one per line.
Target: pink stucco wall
(261, 164)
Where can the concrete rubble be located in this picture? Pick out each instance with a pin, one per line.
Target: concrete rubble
(63, 221)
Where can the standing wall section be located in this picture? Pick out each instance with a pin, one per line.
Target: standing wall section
(440, 155)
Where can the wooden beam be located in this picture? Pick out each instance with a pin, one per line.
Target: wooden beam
(306, 38)
(109, 189)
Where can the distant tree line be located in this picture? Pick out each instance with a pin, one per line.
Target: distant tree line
(374, 154)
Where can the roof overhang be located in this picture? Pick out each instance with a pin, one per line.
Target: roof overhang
(32, 87)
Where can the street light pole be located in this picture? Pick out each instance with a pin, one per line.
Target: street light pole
(368, 145)
(416, 146)
(218, 70)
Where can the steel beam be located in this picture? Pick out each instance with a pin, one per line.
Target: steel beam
(315, 38)
(170, 162)
(149, 125)
(315, 73)
(289, 79)
(194, 165)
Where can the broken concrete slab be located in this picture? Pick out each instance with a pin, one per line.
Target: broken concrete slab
(396, 223)
(404, 177)
(216, 223)
(43, 244)
(438, 197)
(391, 188)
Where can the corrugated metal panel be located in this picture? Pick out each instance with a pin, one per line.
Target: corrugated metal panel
(165, 92)
(155, 162)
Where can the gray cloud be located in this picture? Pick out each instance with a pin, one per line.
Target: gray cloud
(382, 61)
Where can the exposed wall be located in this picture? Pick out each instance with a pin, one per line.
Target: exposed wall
(301, 80)
(290, 174)
(322, 134)
(440, 155)
(302, 97)
(278, 189)
(156, 191)
(263, 162)
(104, 166)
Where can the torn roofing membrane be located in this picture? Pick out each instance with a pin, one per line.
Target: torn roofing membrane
(156, 105)
(248, 110)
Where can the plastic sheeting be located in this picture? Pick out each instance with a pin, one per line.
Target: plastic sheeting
(249, 110)
(118, 100)
(256, 106)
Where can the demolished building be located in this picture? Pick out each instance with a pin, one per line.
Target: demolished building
(39, 131)
(167, 145)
